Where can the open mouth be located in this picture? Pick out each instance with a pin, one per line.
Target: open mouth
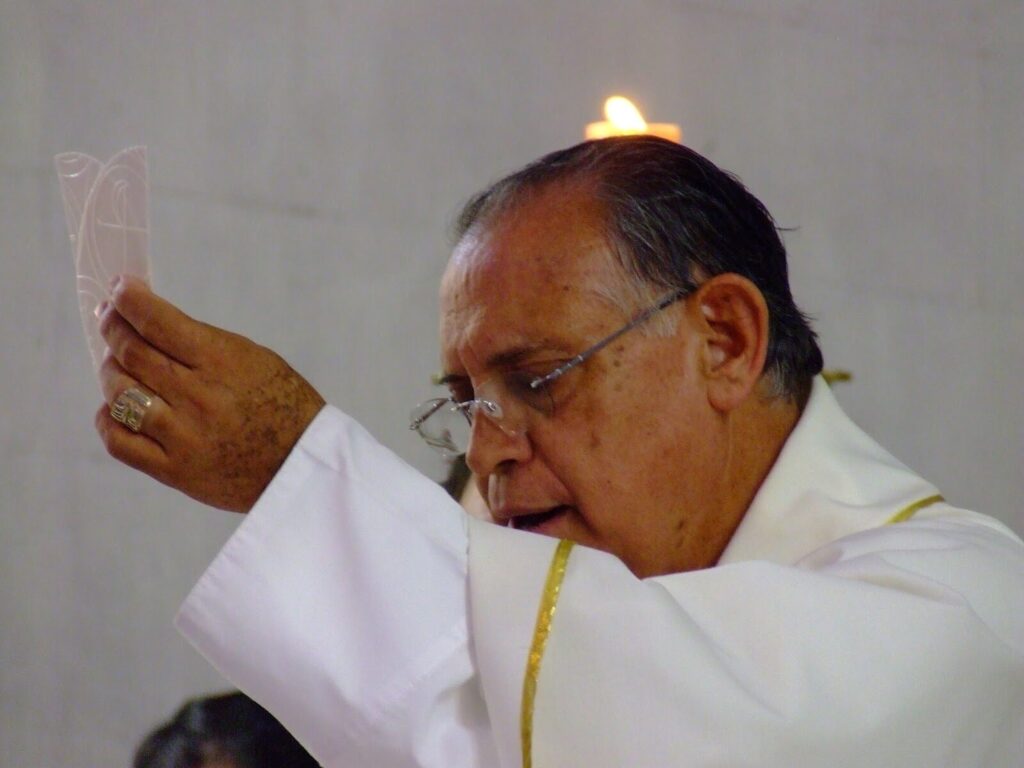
(534, 521)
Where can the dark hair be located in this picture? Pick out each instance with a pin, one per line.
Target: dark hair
(230, 727)
(674, 218)
(459, 475)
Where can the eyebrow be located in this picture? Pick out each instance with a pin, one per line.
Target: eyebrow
(450, 378)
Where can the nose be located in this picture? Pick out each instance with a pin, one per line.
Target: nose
(495, 445)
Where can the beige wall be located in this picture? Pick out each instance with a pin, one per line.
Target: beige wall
(305, 159)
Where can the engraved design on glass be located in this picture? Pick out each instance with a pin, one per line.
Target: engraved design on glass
(107, 212)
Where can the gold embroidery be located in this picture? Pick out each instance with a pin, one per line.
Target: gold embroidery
(911, 509)
(548, 603)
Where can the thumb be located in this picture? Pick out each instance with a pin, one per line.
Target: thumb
(158, 321)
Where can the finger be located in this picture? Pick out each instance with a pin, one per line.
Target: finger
(158, 321)
(158, 423)
(140, 359)
(136, 450)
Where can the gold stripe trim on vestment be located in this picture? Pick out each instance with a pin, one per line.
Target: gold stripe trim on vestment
(911, 509)
(546, 612)
(548, 603)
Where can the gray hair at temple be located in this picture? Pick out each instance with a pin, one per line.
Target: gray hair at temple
(673, 219)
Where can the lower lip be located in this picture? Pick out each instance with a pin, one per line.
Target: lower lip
(547, 526)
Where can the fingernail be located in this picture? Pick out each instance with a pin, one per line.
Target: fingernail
(116, 281)
(101, 308)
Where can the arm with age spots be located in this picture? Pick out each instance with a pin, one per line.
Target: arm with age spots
(226, 413)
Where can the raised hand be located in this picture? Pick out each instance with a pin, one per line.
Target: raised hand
(223, 412)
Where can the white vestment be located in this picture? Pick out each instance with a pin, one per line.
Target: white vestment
(386, 628)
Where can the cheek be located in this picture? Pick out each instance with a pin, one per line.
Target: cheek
(641, 442)
(621, 422)
(625, 445)
(593, 454)
(598, 427)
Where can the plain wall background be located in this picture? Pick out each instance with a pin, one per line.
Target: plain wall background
(306, 159)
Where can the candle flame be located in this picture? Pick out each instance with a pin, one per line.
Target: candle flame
(622, 118)
(623, 115)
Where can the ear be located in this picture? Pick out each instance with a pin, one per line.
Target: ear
(732, 316)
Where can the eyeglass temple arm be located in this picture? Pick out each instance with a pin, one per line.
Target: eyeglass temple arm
(588, 353)
(438, 405)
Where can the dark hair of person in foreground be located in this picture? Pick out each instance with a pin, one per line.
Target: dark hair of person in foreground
(225, 731)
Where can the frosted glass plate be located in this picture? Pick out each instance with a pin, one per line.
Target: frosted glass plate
(107, 211)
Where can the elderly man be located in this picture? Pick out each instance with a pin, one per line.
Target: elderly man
(755, 581)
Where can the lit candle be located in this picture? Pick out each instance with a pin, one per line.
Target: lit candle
(624, 119)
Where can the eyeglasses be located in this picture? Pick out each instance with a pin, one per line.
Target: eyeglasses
(446, 424)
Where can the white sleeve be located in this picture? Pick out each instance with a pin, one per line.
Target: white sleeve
(898, 646)
(340, 605)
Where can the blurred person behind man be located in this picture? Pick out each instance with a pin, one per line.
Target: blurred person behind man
(229, 730)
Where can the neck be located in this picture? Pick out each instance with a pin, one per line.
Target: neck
(753, 438)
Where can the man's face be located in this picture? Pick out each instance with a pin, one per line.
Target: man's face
(628, 460)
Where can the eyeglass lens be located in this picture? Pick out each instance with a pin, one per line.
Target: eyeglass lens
(443, 425)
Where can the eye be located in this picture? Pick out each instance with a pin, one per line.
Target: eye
(518, 383)
(540, 398)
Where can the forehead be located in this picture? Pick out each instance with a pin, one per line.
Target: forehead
(537, 277)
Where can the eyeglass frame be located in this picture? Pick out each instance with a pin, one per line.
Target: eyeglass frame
(494, 409)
